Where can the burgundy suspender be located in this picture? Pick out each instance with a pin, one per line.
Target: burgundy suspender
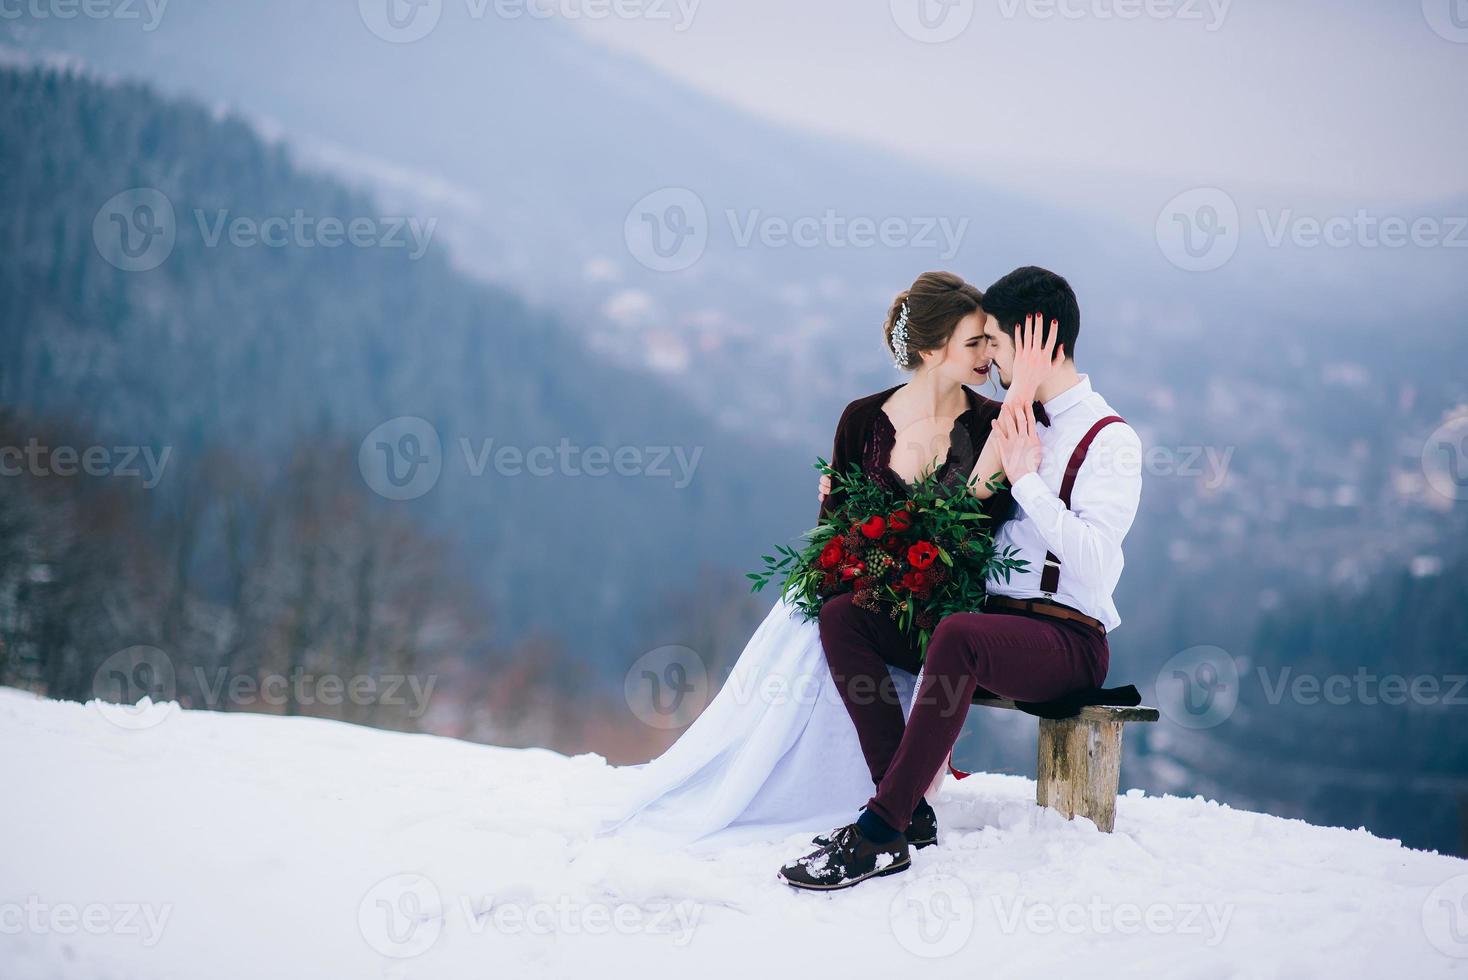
(1050, 577)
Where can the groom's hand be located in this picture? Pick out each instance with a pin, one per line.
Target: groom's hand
(825, 486)
(1019, 444)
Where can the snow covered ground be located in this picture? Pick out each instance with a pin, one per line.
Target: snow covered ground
(158, 843)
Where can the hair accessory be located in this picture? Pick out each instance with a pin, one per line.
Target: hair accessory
(899, 338)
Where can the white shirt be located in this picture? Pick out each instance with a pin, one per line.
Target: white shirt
(1103, 502)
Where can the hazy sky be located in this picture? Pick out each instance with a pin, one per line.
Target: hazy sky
(1360, 101)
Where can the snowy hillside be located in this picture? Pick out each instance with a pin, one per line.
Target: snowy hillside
(159, 843)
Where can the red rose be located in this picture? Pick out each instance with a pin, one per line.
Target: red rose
(922, 554)
(891, 543)
(874, 527)
(915, 581)
(849, 572)
(831, 555)
(899, 520)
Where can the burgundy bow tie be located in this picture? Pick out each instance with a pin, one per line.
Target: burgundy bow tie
(1040, 415)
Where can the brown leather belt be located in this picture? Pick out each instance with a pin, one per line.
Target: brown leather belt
(1044, 607)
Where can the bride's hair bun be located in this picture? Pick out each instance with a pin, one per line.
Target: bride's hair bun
(935, 302)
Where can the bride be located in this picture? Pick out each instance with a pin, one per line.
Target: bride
(776, 753)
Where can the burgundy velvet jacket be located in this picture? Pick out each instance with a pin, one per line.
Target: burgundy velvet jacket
(865, 436)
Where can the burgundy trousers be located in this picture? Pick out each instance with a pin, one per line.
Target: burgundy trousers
(1023, 656)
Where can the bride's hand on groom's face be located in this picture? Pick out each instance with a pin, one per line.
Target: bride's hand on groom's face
(1019, 443)
(1034, 360)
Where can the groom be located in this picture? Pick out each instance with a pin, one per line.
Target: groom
(1043, 632)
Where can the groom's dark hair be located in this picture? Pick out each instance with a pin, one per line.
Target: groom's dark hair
(1034, 290)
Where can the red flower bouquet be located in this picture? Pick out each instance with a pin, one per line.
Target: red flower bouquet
(920, 557)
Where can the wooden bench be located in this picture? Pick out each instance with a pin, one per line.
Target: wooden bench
(1079, 768)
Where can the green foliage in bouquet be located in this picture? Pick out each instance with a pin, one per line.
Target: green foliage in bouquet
(919, 557)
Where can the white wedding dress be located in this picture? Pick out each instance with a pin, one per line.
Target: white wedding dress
(774, 754)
